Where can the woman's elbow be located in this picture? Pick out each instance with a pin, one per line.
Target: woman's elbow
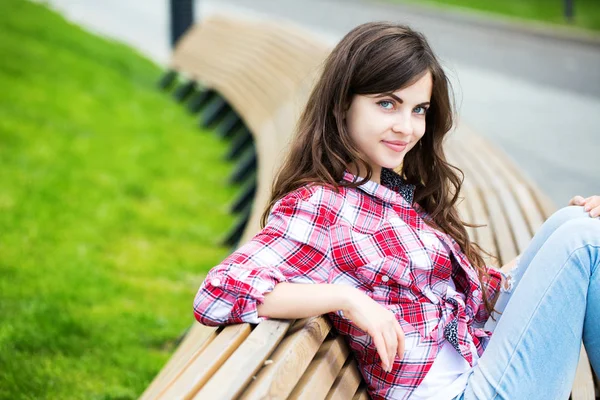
(206, 319)
(207, 309)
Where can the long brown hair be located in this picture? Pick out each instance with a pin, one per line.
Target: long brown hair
(373, 58)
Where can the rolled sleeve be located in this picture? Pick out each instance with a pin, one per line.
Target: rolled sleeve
(292, 247)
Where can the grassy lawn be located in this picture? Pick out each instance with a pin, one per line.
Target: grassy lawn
(111, 206)
(587, 12)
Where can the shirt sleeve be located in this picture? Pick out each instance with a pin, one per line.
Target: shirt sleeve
(492, 285)
(292, 247)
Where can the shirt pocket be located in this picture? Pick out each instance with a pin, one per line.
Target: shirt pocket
(386, 277)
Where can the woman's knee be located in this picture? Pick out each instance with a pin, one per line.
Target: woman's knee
(565, 214)
(580, 231)
(579, 237)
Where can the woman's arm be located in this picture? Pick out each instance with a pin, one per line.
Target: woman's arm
(299, 300)
(292, 248)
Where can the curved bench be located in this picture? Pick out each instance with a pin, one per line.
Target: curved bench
(265, 72)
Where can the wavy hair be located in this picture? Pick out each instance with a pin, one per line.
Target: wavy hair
(374, 58)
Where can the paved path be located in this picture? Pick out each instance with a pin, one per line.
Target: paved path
(535, 97)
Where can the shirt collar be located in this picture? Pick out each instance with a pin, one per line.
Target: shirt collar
(391, 184)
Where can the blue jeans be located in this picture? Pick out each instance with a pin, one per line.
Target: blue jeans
(553, 304)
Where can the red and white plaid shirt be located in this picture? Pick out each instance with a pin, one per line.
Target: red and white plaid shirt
(372, 238)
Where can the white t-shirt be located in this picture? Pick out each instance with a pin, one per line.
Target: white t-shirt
(449, 373)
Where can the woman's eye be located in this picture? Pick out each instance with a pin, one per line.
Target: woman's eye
(388, 105)
(420, 110)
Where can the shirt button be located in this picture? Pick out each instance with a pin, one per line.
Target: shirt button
(476, 292)
(215, 282)
(385, 278)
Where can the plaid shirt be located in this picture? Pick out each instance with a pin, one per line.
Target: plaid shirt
(373, 238)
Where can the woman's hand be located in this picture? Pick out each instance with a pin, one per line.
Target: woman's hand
(380, 323)
(590, 204)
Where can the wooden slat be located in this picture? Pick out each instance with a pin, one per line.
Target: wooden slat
(497, 220)
(463, 206)
(238, 59)
(248, 98)
(203, 365)
(268, 80)
(510, 208)
(290, 58)
(544, 203)
(281, 70)
(290, 360)
(485, 235)
(479, 214)
(246, 102)
(347, 381)
(497, 214)
(322, 371)
(235, 374)
(361, 394)
(194, 342)
(290, 41)
(244, 45)
(242, 92)
(533, 214)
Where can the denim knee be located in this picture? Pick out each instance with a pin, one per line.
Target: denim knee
(581, 232)
(565, 214)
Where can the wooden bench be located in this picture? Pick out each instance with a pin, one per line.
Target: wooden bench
(265, 72)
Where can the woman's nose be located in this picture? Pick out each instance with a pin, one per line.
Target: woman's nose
(403, 124)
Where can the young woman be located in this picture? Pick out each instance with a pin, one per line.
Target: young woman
(362, 226)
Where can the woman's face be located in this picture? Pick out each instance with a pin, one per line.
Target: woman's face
(387, 126)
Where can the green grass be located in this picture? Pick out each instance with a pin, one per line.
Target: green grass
(112, 203)
(587, 12)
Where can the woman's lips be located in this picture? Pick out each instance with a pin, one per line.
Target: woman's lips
(396, 146)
